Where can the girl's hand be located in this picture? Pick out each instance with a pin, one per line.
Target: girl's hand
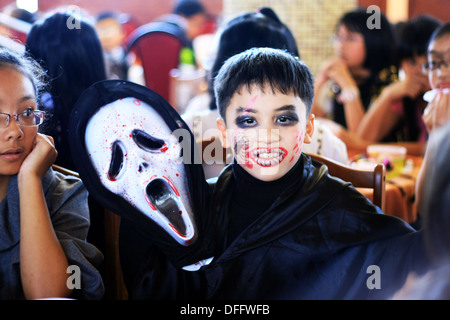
(339, 72)
(437, 112)
(42, 156)
(409, 87)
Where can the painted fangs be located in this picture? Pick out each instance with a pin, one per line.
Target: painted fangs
(268, 157)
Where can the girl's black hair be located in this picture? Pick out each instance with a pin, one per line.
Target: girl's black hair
(68, 48)
(442, 31)
(379, 39)
(27, 66)
(249, 30)
(284, 73)
(414, 35)
(72, 56)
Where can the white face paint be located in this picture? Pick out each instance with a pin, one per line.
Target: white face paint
(137, 157)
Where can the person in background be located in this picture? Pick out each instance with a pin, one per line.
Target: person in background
(435, 284)
(433, 187)
(437, 113)
(346, 85)
(395, 117)
(73, 60)
(437, 67)
(190, 17)
(112, 36)
(44, 216)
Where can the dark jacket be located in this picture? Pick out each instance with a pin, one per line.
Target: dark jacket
(321, 239)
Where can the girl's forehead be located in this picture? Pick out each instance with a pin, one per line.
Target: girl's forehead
(440, 46)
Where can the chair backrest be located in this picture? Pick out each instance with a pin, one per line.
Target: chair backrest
(157, 46)
(375, 179)
(114, 284)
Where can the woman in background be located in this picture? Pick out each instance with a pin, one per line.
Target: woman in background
(72, 55)
(361, 68)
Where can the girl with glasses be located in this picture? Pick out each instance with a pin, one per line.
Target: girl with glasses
(396, 116)
(346, 84)
(44, 215)
(437, 67)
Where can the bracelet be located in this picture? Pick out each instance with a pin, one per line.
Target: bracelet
(349, 94)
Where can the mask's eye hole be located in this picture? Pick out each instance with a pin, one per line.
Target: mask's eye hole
(148, 142)
(117, 158)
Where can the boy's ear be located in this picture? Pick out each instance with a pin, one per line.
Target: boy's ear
(309, 129)
(221, 126)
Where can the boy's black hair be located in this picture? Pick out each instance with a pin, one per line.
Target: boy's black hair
(260, 66)
(250, 30)
(379, 41)
(414, 35)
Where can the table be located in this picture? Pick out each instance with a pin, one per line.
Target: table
(400, 191)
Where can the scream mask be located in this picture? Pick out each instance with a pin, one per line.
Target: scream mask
(136, 157)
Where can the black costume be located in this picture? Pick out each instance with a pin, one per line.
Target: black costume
(316, 241)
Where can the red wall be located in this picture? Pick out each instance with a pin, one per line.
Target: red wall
(142, 10)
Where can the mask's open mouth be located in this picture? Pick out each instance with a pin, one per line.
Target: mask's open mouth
(163, 198)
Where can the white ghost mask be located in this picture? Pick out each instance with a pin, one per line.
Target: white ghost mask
(138, 158)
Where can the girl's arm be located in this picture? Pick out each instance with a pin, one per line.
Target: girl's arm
(350, 96)
(43, 264)
(381, 117)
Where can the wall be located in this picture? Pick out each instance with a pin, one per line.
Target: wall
(142, 10)
(312, 22)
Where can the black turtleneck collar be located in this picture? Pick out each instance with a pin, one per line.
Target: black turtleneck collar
(252, 197)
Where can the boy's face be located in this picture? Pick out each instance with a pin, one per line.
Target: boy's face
(266, 131)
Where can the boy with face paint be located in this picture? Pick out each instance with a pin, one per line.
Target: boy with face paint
(290, 230)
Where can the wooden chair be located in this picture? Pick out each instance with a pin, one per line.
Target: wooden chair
(114, 285)
(375, 179)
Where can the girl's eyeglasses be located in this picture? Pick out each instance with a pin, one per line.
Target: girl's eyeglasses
(27, 118)
(435, 65)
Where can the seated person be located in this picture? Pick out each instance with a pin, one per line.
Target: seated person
(437, 112)
(44, 215)
(396, 115)
(284, 228)
(346, 85)
(112, 36)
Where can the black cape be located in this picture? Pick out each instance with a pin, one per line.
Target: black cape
(321, 239)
